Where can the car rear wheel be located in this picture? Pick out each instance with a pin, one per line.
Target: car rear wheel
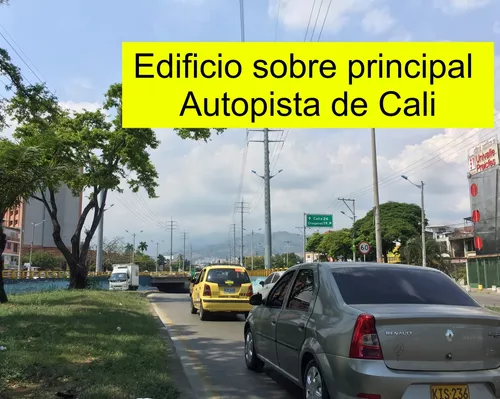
(203, 312)
(314, 385)
(252, 361)
(193, 309)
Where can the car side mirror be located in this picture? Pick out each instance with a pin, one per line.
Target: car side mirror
(261, 283)
(256, 300)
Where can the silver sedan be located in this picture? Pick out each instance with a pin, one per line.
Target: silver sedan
(375, 331)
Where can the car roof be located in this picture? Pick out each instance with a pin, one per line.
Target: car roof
(389, 266)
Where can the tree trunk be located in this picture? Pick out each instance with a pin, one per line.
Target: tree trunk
(78, 276)
(3, 242)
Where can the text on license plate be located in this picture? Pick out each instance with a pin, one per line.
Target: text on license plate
(229, 290)
(450, 392)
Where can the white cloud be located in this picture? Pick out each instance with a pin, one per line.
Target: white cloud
(80, 106)
(295, 14)
(496, 27)
(458, 6)
(377, 21)
(401, 35)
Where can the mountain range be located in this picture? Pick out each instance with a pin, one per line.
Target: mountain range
(282, 242)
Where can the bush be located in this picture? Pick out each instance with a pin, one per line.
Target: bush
(44, 260)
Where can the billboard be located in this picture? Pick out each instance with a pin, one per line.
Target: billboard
(483, 156)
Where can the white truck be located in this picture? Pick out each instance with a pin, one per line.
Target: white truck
(124, 278)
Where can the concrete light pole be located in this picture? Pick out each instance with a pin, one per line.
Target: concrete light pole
(422, 216)
(133, 244)
(33, 239)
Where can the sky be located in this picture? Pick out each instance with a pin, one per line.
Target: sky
(75, 47)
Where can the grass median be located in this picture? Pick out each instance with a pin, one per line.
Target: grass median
(92, 344)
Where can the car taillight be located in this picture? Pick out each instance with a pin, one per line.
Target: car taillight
(365, 343)
(207, 291)
(250, 291)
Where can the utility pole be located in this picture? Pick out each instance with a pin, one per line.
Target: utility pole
(190, 258)
(353, 218)
(233, 230)
(184, 235)
(251, 245)
(171, 225)
(376, 204)
(242, 207)
(157, 243)
(268, 250)
(33, 239)
(422, 216)
(287, 246)
(100, 235)
(133, 244)
(304, 241)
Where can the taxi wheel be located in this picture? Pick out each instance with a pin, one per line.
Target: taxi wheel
(252, 361)
(203, 312)
(193, 309)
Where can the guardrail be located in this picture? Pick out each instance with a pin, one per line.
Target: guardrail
(59, 274)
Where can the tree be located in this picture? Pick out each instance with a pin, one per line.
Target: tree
(399, 221)
(313, 244)
(285, 260)
(161, 260)
(411, 254)
(337, 244)
(129, 248)
(142, 247)
(20, 171)
(97, 154)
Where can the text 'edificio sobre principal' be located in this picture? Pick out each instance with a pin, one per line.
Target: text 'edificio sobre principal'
(308, 85)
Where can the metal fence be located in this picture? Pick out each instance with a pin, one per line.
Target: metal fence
(484, 271)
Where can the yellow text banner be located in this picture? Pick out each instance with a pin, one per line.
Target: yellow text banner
(308, 85)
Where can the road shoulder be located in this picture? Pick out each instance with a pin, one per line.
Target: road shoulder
(176, 368)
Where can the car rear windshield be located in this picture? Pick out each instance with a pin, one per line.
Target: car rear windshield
(219, 276)
(376, 285)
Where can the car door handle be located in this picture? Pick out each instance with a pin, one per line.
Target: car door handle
(301, 326)
(273, 322)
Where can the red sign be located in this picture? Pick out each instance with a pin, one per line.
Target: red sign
(483, 157)
(476, 216)
(473, 189)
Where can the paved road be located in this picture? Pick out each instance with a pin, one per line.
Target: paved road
(213, 356)
(489, 299)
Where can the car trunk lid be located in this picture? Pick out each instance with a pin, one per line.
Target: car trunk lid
(436, 337)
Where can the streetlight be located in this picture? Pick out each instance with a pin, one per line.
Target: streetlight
(157, 243)
(133, 245)
(421, 187)
(353, 238)
(33, 239)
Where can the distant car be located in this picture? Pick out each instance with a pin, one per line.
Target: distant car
(378, 331)
(269, 282)
(192, 282)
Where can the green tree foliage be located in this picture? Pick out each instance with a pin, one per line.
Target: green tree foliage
(45, 260)
(337, 244)
(142, 247)
(258, 262)
(399, 221)
(285, 260)
(411, 254)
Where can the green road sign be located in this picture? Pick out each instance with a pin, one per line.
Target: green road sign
(319, 220)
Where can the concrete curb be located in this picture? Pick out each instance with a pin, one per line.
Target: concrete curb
(176, 369)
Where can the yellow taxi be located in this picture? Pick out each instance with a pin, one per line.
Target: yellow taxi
(192, 283)
(222, 288)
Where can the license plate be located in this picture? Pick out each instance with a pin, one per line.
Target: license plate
(450, 392)
(229, 290)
